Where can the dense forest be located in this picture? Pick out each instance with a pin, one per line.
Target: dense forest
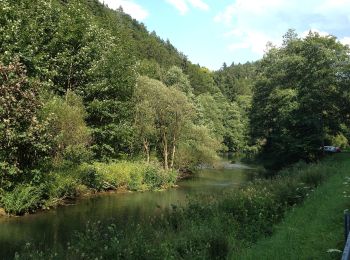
(84, 87)
(91, 101)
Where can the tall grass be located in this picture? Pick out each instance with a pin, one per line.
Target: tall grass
(24, 198)
(71, 182)
(212, 227)
(135, 175)
(313, 230)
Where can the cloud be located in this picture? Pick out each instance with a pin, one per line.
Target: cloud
(345, 40)
(199, 4)
(183, 5)
(135, 10)
(250, 24)
(180, 5)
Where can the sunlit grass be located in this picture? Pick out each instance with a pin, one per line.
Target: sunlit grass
(313, 230)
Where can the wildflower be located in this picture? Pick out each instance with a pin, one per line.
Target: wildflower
(332, 250)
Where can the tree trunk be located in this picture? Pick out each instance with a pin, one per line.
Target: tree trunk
(173, 154)
(165, 151)
(146, 147)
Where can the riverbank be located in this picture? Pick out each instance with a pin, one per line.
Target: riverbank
(315, 229)
(208, 227)
(69, 183)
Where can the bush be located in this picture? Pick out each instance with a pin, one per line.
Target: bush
(155, 177)
(313, 176)
(90, 178)
(115, 174)
(77, 154)
(135, 175)
(68, 128)
(63, 186)
(23, 199)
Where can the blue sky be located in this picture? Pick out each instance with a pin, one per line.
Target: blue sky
(211, 32)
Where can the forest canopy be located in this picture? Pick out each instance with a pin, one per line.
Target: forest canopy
(81, 83)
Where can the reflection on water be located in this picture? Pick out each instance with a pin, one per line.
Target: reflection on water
(56, 227)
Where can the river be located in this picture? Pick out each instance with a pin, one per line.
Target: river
(55, 227)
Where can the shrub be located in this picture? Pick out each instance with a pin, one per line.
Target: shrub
(77, 154)
(23, 199)
(136, 181)
(313, 176)
(135, 175)
(68, 128)
(90, 178)
(63, 186)
(114, 174)
(155, 177)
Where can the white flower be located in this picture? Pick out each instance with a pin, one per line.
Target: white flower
(332, 250)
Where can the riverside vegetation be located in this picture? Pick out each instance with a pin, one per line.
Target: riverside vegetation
(225, 226)
(91, 101)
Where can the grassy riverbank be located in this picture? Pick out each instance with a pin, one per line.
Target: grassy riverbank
(223, 226)
(68, 183)
(313, 230)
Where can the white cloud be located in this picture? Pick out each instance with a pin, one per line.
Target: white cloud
(199, 4)
(345, 40)
(253, 40)
(130, 7)
(251, 7)
(180, 5)
(250, 24)
(183, 5)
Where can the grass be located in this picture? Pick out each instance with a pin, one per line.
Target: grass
(314, 229)
(301, 211)
(68, 183)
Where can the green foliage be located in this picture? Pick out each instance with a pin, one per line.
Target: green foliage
(199, 148)
(151, 69)
(134, 175)
(24, 140)
(227, 121)
(77, 154)
(320, 214)
(176, 78)
(201, 79)
(156, 178)
(90, 178)
(236, 80)
(239, 217)
(298, 98)
(161, 115)
(24, 198)
(108, 103)
(68, 128)
(338, 140)
(62, 186)
(87, 58)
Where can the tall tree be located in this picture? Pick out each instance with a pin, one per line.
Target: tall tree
(24, 141)
(162, 111)
(296, 97)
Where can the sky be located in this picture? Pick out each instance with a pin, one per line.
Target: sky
(211, 32)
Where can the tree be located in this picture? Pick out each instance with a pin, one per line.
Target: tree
(176, 78)
(108, 100)
(201, 79)
(24, 141)
(296, 98)
(70, 135)
(163, 112)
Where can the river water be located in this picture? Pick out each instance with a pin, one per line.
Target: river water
(55, 227)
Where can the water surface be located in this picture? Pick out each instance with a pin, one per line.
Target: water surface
(56, 227)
